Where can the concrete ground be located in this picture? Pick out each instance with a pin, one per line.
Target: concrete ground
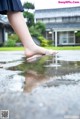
(57, 98)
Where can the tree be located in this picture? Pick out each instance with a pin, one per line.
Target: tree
(40, 27)
(28, 5)
(77, 35)
(27, 14)
(37, 29)
(30, 18)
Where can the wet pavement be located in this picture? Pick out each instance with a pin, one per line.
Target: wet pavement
(48, 88)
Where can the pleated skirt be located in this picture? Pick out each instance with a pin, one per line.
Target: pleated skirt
(10, 5)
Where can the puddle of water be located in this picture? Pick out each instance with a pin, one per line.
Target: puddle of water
(54, 83)
(50, 71)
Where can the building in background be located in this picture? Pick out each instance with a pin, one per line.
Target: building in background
(5, 28)
(61, 24)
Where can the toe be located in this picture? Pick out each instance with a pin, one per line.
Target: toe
(50, 52)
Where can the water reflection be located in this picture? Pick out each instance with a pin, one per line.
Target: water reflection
(46, 69)
(33, 79)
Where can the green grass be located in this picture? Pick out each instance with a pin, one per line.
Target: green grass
(11, 48)
(52, 47)
(65, 48)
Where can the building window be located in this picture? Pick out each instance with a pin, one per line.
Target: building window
(66, 38)
(38, 20)
(49, 20)
(52, 20)
(71, 37)
(58, 20)
(71, 19)
(63, 37)
(49, 35)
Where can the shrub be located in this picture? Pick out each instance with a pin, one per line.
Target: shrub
(50, 42)
(10, 43)
(44, 42)
(14, 37)
(34, 32)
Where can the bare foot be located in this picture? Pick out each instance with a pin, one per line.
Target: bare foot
(39, 51)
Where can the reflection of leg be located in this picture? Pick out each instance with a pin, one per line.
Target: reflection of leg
(34, 58)
(18, 23)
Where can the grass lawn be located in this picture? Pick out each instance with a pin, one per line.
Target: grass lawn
(52, 47)
(65, 48)
(11, 48)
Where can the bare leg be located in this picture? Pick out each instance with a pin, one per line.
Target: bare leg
(18, 23)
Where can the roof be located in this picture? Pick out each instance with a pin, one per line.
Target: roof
(57, 12)
(63, 25)
(4, 19)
